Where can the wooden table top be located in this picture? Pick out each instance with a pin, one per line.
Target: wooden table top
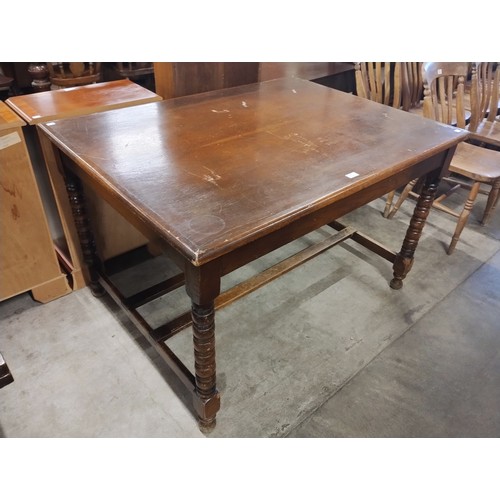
(46, 106)
(9, 119)
(212, 172)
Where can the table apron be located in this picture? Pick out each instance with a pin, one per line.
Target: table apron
(310, 222)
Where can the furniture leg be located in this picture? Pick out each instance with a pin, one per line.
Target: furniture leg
(206, 397)
(388, 203)
(5, 374)
(492, 202)
(87, 242)
(404, 259)
(464, 216)
(402, 197)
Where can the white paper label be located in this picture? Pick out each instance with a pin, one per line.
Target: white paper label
(351, 175)
(9, 140)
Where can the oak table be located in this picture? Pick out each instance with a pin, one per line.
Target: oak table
(115, 234)
(222, 178)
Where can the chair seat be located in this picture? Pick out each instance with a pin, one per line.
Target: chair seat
(417, 110)
(489, 131)
(478, 164)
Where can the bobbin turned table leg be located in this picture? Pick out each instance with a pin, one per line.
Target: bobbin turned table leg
(87, 242)
(206, 397)
(203, 286)
(404, 259)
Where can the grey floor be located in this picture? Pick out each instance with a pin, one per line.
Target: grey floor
(329, 350)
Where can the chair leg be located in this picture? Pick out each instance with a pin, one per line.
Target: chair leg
(464, 216)
(388, 203)
(492, 202)
(402, 197)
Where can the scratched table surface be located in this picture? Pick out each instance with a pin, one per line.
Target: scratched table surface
(214, 171)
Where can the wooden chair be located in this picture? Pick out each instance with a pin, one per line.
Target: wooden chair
(471, 165)
(140, 72)
(380, 82)
(72, 74)
(394, 84)
(485, 104)
(413, 87)
(134, 70)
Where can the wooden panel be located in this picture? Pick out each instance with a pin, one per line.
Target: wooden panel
(164, 79)
(27, 257)
(240, 73)
(193, 78)
(181, 79)
(113, 234)
(8, 119)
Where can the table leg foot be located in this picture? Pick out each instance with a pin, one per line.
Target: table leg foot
(401, 268)
(396, 283)
(206, 409)
(207, 426)
(97, 290)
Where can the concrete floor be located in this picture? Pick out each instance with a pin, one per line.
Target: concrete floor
(329, 350)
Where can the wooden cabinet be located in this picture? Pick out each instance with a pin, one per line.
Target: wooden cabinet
(114, 234)
(180, 79)
(28, 260)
